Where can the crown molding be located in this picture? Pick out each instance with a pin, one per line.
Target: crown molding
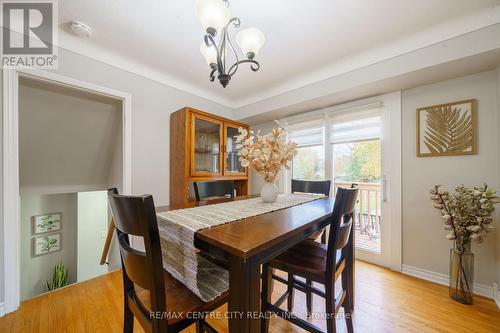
(432, 36)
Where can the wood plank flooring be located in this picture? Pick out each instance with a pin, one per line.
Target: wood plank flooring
(386, 301)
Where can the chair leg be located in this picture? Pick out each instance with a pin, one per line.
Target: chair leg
(347, 302)
(309, 298)
(267, 280)
(128, 318)
(290, 292)
(199, 326)
(330, 307)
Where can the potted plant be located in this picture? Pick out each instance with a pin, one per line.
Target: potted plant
(467, 215)
(267, 154)
(60, 277)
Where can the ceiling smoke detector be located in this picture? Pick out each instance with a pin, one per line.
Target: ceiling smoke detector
(81, 29)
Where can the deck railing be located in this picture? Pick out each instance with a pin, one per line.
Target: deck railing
(368, 208)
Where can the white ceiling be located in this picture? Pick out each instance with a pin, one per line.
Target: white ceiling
(306, 41)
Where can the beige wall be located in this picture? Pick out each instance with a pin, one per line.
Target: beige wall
(152, 103)
(36, 270)
(68, 139)
(424, 245)
(256, 182)
(497, 231)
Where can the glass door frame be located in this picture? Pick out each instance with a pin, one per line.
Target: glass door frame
(193, 171)
(390, 105)
(224, 151)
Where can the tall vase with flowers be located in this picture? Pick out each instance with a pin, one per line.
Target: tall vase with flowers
(467, 214)
(267, 155)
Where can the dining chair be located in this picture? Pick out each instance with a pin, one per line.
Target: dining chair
(213, 189)
(313, 187)
(318, 263)
(158, 301)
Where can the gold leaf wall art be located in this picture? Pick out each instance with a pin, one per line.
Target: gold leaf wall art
(447, 129)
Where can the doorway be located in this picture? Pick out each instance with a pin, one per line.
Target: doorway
(58, 193)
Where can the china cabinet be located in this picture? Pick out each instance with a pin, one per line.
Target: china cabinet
(203, 148)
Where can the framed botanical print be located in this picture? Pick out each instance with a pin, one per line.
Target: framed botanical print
(46, 223)
(447, 129)
(46, 244)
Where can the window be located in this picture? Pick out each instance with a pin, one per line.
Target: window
(309, 163)
(310, 160)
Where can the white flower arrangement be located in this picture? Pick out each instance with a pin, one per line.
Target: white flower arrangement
(267, 154)
(466, 213)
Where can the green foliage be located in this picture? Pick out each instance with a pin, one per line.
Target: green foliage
(308, 164)
(365, 165)
(48, 222)
(59, 277)
(47, 243)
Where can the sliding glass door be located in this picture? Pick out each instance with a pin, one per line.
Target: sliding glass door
(350, 148)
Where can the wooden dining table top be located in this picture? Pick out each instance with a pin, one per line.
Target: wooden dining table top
(249, 236)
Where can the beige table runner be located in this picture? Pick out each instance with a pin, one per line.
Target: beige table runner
(178, 227)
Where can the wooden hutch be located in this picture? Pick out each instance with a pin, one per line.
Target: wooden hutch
(203, 148)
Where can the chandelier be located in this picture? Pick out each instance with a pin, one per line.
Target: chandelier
(216, 20)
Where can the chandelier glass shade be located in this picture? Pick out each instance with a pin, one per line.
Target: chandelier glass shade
(218, 49)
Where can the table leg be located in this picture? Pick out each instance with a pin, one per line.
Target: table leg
(244, 295)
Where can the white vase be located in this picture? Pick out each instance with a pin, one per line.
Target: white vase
(269, 192)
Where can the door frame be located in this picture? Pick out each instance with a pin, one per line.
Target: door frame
(10, 163)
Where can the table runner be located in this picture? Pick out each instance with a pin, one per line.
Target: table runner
(178, 227)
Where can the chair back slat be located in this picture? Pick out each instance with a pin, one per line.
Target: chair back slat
(223, 188)
(311, 186)
(134, 261)
(344, 233)
(343, 208)
(136, 216)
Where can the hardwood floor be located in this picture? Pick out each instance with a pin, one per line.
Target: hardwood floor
(386, 301)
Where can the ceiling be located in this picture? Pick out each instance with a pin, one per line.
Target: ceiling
(306, 41)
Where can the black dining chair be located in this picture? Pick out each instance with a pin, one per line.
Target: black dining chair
(150, 292)
(313, 187)
(213, 189)
(319, 263)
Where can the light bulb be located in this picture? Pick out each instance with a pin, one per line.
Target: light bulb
(209, 53)
(213, 15)
(250, 41)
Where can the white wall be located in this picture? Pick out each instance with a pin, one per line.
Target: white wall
(424, 245)
(36, 270)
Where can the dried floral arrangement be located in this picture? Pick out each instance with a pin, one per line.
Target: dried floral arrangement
(466, 213)
(267, 154)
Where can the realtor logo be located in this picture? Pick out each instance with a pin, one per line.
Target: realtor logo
(29, 32)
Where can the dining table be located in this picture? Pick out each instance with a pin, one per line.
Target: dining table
(244, 245)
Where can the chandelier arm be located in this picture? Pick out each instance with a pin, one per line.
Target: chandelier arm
(212, 76)
(233, 68)
(209, 41)
(254, 65)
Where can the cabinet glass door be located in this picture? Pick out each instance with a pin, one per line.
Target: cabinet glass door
(206, 154)
(231, 160)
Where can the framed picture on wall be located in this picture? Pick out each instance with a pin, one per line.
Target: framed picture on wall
(46, 244)
(447, 129)
(46, 223)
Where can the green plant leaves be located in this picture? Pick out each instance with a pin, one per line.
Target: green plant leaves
(59, 277)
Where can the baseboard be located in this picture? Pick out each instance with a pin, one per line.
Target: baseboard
(2, 309)
(479, 289)
(496, 293)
